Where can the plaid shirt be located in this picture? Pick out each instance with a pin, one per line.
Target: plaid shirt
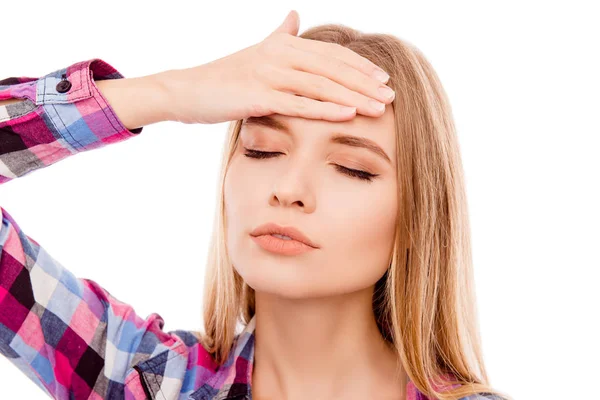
(69, 335)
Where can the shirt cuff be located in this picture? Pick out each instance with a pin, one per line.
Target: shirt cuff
(76, 107)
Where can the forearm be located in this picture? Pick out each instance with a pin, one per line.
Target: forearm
(53, 123)
(137, 101)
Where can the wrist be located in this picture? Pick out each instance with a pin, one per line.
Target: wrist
(164, 94)
(169, 84)
(137, 102)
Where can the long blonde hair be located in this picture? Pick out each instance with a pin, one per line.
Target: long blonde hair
(425, 303)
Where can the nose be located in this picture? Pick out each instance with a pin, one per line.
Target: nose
(293, 188)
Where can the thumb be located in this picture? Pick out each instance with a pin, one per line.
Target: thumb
(291, 24)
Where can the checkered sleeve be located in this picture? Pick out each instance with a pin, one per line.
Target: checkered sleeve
(61, 113)
(69, 335)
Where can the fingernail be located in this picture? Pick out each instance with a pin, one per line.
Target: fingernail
(381, 75)
(347, 110)
(387, 92)
(377, 106)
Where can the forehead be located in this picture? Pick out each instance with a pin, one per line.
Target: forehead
(381, 130)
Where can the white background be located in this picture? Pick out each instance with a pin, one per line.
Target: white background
(523, 81)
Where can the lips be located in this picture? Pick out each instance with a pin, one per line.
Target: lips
(294, 233)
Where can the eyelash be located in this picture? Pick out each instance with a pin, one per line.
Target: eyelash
(362, 175)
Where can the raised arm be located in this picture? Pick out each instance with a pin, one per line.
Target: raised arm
(69, 335)
(82, 107)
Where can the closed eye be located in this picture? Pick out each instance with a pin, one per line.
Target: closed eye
(355, 173)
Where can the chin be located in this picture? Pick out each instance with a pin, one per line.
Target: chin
(288, 286)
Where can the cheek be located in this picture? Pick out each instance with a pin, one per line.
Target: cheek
(241, 201)
(362, 216)
(360, 227)
(239, 196)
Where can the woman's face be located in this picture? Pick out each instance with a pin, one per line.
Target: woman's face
(352, 220)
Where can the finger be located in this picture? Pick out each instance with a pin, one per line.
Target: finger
(290, 24)
(324, 89)
(340, 72)
(299, 106)
(338, 51)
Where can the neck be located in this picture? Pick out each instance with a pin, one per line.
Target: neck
(331, 342)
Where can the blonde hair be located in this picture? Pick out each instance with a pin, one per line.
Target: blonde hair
(425, 303)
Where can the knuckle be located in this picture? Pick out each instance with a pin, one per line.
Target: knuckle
(267, 48)
(264, 72)
(281, 37)
(338, 47)
(338, 64)
(320, 83)
(260, 70)
(340, 50)
(272, 47)
(259, 108)
(367, 81)
(275, 36)
(302, 103)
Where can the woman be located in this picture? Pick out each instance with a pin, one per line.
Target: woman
(342, 241)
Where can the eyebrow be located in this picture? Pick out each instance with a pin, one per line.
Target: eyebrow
(339, 138)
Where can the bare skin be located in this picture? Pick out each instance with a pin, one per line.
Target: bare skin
(316, 335)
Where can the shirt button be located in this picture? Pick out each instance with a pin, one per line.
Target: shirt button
(63, 86)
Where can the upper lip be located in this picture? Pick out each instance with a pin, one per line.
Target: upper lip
(294, 233)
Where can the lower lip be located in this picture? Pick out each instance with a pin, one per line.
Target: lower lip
(281, 246)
